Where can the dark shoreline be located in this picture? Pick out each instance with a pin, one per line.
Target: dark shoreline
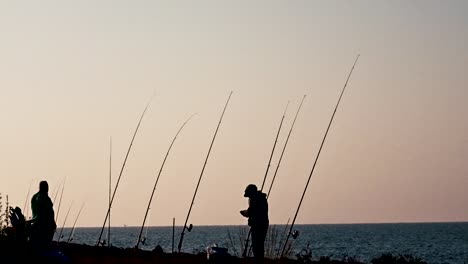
(63, 252)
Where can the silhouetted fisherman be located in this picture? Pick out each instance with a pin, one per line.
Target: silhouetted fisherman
(43, 221)
(258, 219)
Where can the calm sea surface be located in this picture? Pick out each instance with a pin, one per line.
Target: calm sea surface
(432, 242)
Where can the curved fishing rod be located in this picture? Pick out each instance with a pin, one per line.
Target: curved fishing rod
(244, 254)
(74, 224)
(157, 179)
(201, 174)
(64, 221)
(110, 187)
(316, 158)
(285, 144)
(121, 170)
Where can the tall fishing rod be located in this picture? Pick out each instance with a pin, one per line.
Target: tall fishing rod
(199, 179)
(316, 158)
(157, 179)
(120, 174)
(110, 187)
(74, 224)
(285, 144)
(244, 254)
(64, 221)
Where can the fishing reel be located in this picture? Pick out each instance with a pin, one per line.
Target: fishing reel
(189, 228)
(295, 234)
(102, 242)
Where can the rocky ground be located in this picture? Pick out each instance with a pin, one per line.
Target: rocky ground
(75, 253)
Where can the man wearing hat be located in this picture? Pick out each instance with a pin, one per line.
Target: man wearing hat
(258, 219)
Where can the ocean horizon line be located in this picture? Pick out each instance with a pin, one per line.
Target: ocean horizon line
(282, 224)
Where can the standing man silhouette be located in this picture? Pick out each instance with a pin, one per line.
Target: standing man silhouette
(43, 221)
(257, 213)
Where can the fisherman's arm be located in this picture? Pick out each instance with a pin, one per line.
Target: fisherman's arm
(244, 213)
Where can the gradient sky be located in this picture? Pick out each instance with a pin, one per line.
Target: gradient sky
(75, 73)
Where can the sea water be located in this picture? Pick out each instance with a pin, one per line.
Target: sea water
(432, 242)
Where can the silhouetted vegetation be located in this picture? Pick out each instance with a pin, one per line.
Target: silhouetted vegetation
(400, 259)
(273, 242)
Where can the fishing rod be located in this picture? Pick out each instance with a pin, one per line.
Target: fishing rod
(199, 179)
(244, 254)
(316, 158)
(143, 240)
(173, 234)
(26, 202)
(157, 178)
(64, 221)
(56, 190)
(120, 174)
(60, 201)
(74, 224)
(110, 185)
(285, 144)
(274, 146)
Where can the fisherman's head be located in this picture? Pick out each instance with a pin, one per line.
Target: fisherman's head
(44, 187)
(250, 190)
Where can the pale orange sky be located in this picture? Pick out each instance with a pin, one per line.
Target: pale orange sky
(75, 73)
